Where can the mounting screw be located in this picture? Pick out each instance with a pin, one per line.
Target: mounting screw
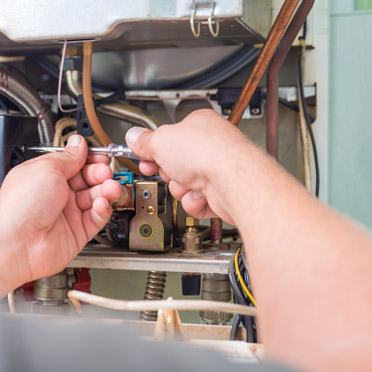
(151, 210)
(146, 194)
(145, 230)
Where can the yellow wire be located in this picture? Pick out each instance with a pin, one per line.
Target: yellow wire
(246, 290)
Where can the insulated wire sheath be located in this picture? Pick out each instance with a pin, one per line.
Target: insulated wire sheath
(89, 106)
(309, 127)
(246, 290)
(76, 296)
(305, 141)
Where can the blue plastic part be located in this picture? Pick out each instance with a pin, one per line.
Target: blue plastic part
(123, 177)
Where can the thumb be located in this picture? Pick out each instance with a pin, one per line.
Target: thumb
(140, 140)
(73, 158)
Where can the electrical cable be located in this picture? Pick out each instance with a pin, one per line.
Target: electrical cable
(109, 303)
(240, 299)
(309, 127)
(60, 76)
(241, 59)
(246, 290)
(306, 113)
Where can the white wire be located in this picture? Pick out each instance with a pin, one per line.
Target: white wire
(109, 303)
(60, 80)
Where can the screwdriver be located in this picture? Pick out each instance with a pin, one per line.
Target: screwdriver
(112, 150)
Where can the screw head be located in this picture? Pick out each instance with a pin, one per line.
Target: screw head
(145, 230)
(146, 194)
(151, 210)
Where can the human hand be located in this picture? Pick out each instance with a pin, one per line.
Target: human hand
(51, 206)
(196, 157)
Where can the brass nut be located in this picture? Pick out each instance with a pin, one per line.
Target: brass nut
(192, 221)
(150, 210)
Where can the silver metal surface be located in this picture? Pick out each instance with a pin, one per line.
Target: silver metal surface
(142, 21)
(117, 258)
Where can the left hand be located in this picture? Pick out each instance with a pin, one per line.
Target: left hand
(50, 207)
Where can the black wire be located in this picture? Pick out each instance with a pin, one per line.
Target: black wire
(239, 298)
(308, 124)
(235, 327)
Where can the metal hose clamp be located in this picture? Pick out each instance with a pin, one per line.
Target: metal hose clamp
(213, 32)
(192, 21)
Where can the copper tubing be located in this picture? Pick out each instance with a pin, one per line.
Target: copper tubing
(89, 106)
(216, 230)
(272, 76)
(263, 60)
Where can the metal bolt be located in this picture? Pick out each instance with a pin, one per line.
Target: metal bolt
(146, 194)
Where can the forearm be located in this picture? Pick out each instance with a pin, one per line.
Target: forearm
(307, 263)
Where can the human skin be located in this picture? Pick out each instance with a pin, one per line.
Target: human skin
(51, 206)
(310, 267)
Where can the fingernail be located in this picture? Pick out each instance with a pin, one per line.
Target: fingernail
(73, 141)
(107, 203)
(197, 195)
(133, 134)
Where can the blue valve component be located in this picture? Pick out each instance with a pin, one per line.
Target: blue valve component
(125, 178)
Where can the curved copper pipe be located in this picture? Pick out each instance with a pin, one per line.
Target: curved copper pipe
(263, 60)
(89, 107)
(272, 76)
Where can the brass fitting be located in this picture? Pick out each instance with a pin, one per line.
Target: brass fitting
(192, 221)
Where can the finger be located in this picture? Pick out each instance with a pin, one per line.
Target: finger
(91, 159)
(148, 168)
(177, 190)
(195, 204)
(96, 218)
(72, 159)
(164, 176)
(95, 174)
(110, 190)
(78, 183)
(142, 142)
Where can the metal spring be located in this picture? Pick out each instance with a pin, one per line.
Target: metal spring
(155, 286)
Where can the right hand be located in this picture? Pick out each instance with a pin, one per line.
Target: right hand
(196, 156)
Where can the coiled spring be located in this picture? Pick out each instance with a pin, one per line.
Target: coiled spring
(155, 286)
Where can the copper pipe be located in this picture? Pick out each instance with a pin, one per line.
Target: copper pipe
(272, 76)
(216, 230)
(89, 107)
(263, 60)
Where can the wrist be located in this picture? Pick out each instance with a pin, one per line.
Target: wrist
(14, 270)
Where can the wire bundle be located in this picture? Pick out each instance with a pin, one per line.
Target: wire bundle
(239, 280)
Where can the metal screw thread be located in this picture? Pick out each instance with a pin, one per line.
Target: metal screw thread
(155, 286)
